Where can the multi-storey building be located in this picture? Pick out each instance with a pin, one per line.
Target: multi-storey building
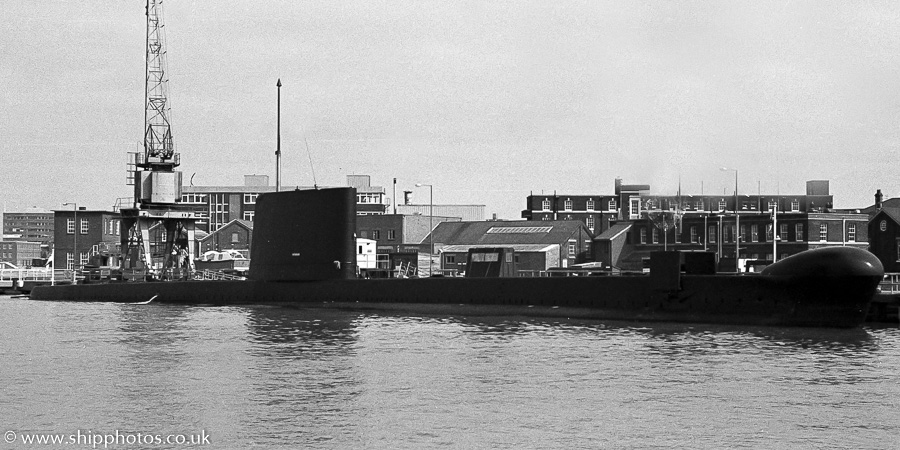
(218, 205)
(22, 254)
(80, 234)
(768, 227)
(369, 199)
(32, 226)
(466, 213)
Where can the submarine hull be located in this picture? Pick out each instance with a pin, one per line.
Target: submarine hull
(713, 298)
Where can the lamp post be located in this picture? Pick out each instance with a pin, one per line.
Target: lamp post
(430, 223)
(737, 221)
(75, 256)
(775, 234)
(278, 143)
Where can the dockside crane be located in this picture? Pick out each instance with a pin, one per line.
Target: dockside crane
(157, 231)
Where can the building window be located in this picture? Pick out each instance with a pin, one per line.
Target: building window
(782, 232)
(795, 205)
(449, 259)
(70, 261)
(643, 235)
(798, 232)
(694, 237)
(248, 215)
(70, 226)
(754, 233)
(590, 221)
(743, 236)
(193, 198)
(770, 234)
(635, 209)
(376, 234)
(235, 237)
(374, 198)
(700, 205)
(722, 205)
(571, 249)
(732, 233)
(851, 232)
(590, 204)
(392, 234)
(655, 236)
(545, 205)
(84, 226)
(250, 199)
(712, 234)
(823, 232)
(218, 211)
(567, 205)
(677, 235)
(773, 204)
(611, 206)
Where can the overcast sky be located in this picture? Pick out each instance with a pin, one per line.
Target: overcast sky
(486, 100)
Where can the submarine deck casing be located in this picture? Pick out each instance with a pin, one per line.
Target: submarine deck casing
(303, 255)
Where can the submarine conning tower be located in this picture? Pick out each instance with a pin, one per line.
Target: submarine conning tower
(304, 235)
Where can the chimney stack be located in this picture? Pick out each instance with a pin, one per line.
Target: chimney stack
(878, 198)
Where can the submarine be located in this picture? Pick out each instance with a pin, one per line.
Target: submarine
(303, 255)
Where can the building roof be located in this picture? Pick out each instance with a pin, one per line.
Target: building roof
(244, 223)
(508, 233)
(891, 203)
(893, 213)
(614, 231)
(239, 189)
(522, 248)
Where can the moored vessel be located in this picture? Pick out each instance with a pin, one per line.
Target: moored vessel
(309, 261)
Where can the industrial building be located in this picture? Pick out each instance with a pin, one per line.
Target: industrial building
(536, 246)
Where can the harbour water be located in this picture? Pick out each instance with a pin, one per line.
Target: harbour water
(274, 377)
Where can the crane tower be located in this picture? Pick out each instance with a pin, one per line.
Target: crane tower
(157, 231)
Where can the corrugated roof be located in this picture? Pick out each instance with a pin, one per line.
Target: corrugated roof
(519, 230)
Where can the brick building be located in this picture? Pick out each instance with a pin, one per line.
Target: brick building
(80, 234)
(20, 253)
(631, 223)
(235, 235)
